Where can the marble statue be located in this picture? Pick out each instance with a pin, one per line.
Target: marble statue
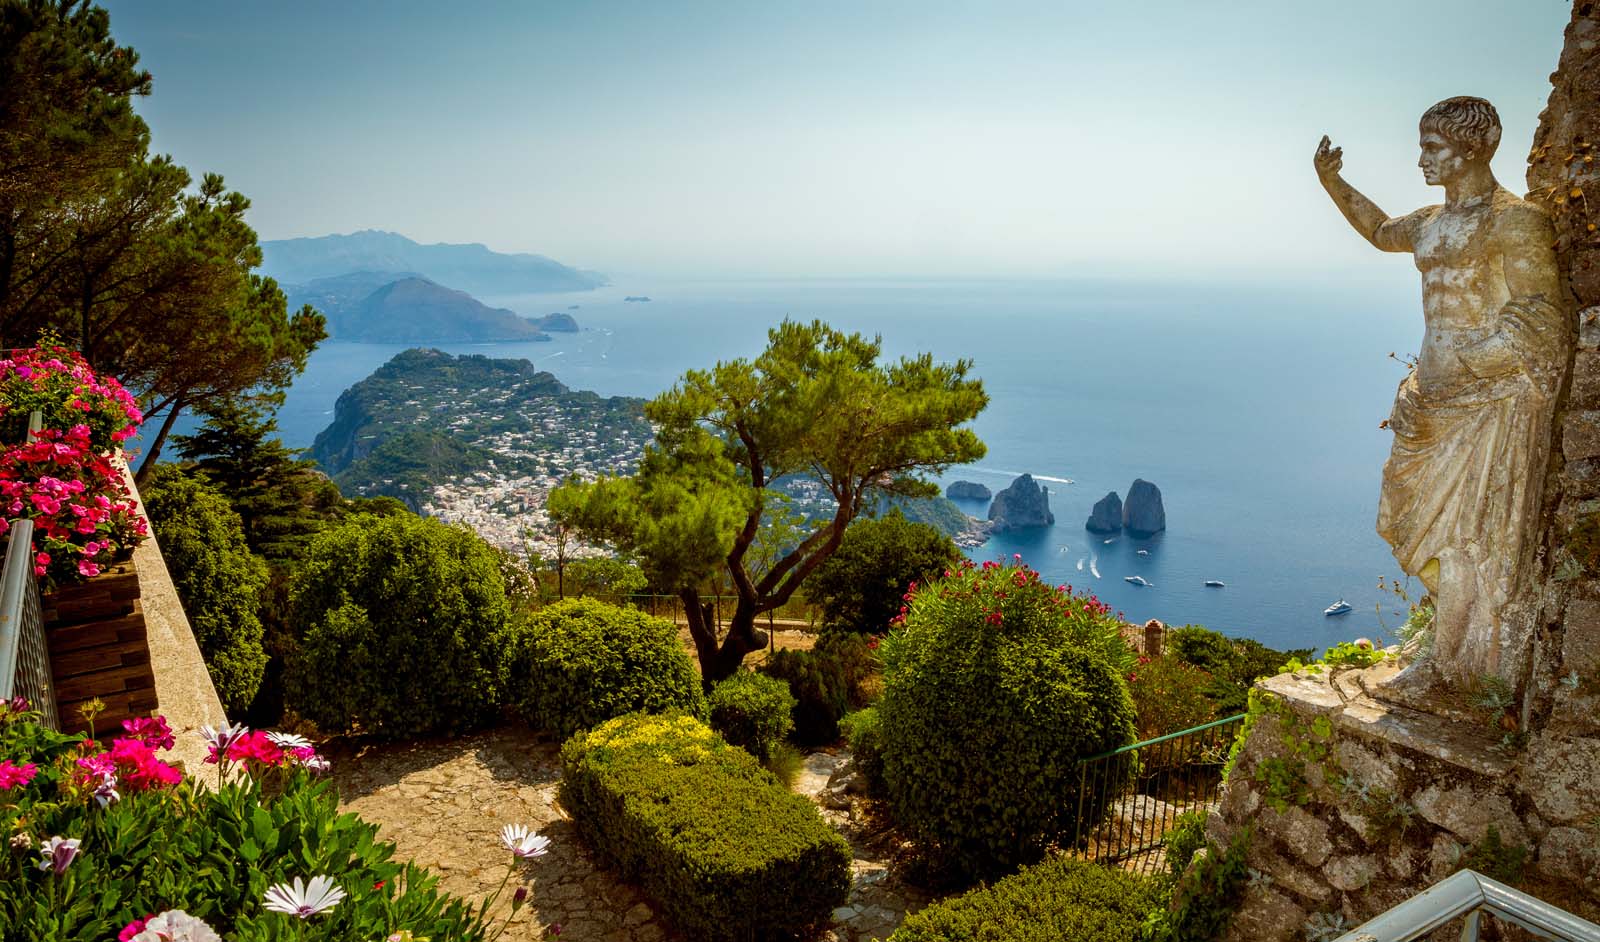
(1472, 422)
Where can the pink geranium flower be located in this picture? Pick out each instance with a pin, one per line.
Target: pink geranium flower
(12, 775)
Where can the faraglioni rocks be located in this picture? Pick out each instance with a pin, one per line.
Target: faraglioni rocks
(967, 490)
(1143, 514)
(1022, 505)
(1107, 515)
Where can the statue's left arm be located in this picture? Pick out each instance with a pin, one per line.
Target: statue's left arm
(1529, 328)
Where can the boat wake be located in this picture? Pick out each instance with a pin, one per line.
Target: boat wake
(1094, 567)
(1081, 561)
(1013, 474)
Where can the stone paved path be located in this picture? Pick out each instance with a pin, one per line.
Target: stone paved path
(443, 802)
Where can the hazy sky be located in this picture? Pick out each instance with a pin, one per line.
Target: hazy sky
(837, 138)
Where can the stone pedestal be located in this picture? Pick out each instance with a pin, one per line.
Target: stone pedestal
(1356, 805)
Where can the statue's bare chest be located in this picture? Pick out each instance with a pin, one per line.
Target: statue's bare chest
(1455, 239)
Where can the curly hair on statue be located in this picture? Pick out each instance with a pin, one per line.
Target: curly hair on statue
(1469, 124)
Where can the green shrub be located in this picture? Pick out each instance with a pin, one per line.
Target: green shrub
(1205, 897)
(211, 852)
(396, 619)
(1169, 696)
(1061, 900)
(726, 851)
(752, 711)
(577, 663)
(1187, 836)
(861, 587)
(994, 686)
(1233, 663)
(217, 577)
(826, 682)
(863, 729)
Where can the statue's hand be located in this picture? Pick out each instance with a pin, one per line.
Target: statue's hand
(1329, 159)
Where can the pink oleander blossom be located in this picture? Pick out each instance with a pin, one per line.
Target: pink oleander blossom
(12, 776)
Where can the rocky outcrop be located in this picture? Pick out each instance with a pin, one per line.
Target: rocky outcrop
(967, 490)
(558, 322)
(1021, 506)
(1107, 515)
(1142, 513)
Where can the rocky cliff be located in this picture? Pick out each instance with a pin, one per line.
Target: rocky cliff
(1107, 515)
(967, 490)
(1022, 505)
(1143, 513)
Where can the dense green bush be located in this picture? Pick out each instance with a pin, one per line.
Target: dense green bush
(995, 684)
(1169, 696)
(164, 844)
(1203, 897)
(396, 620)
(1233, 663)
(863, 730)
(1060, 900)
(862, 586)
(217, 577)
(581, 662)
(752, 711)
(826, 682)
(726, 851)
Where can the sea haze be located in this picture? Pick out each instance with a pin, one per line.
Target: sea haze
(1255, 411)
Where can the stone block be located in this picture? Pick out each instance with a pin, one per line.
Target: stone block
(1580, 434)
(1265, 915)
(1305, 837)
(1444, 857)
(1351, 873)
(1564, 778)
(1467, 746)
(1467, 813)
(1589, 329)
(1364, 766)
(1307, 694)
(1307, 883)
(1586, 379)
(1570, 855)
(1580, 637)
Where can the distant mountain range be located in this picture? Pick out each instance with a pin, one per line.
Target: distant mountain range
(472, 268)
(380, 287)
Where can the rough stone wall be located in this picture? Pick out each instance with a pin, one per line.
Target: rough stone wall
(1355, 806)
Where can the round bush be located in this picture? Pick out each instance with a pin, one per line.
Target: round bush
(863, 730)
(826, 682)
(219, 580)
(995, 684)
(753, 711)
(396, 620)
(577, 663)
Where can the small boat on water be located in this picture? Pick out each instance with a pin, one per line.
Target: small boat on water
(1338, 608)
(1142, 552)
(1138, 580)
(1215, 583)
(1111, 541)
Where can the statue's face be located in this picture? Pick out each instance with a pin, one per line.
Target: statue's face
(1440, 162)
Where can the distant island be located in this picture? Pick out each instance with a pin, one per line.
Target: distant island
(472, 268)
(380, 307)
(638, 297)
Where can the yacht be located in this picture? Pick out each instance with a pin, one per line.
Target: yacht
(1137, 580)
(1340, 607)
(1142, 552)
(1215, 583)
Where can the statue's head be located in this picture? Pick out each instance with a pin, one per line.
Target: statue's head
(1456, 134)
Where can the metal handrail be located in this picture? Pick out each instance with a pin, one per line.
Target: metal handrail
(1134, 747)
(1470, 894)
(24, 655)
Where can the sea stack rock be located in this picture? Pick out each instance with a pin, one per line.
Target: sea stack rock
(967, 490)
(1022, 505)
(1107, 515)
(1143, 513)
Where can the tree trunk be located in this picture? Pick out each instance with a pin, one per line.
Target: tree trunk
(742, 639)
(149, 462)
(703, 631)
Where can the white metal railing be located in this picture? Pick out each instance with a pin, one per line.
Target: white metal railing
(1470, 894)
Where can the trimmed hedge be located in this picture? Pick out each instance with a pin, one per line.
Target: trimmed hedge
(752, 711)
(1060, 899)
(726, 851)
(581, 662)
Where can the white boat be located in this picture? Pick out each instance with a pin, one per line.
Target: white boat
(1338, 608)
(1215, 583)
(1138, 580)
(1111, 541)
(1142, 552)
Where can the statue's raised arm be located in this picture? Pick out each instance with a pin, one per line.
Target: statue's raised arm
(1390, 235)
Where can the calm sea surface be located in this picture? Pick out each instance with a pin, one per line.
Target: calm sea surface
(1255, 411)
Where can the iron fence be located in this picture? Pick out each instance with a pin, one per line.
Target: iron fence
(1129, 798)
(24, 657)
(1469, 895)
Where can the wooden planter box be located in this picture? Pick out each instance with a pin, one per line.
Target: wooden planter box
(99, 648)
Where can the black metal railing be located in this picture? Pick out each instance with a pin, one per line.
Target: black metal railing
(1129, 798)
(24, 657)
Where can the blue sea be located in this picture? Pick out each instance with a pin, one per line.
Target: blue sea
(1254, 409)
